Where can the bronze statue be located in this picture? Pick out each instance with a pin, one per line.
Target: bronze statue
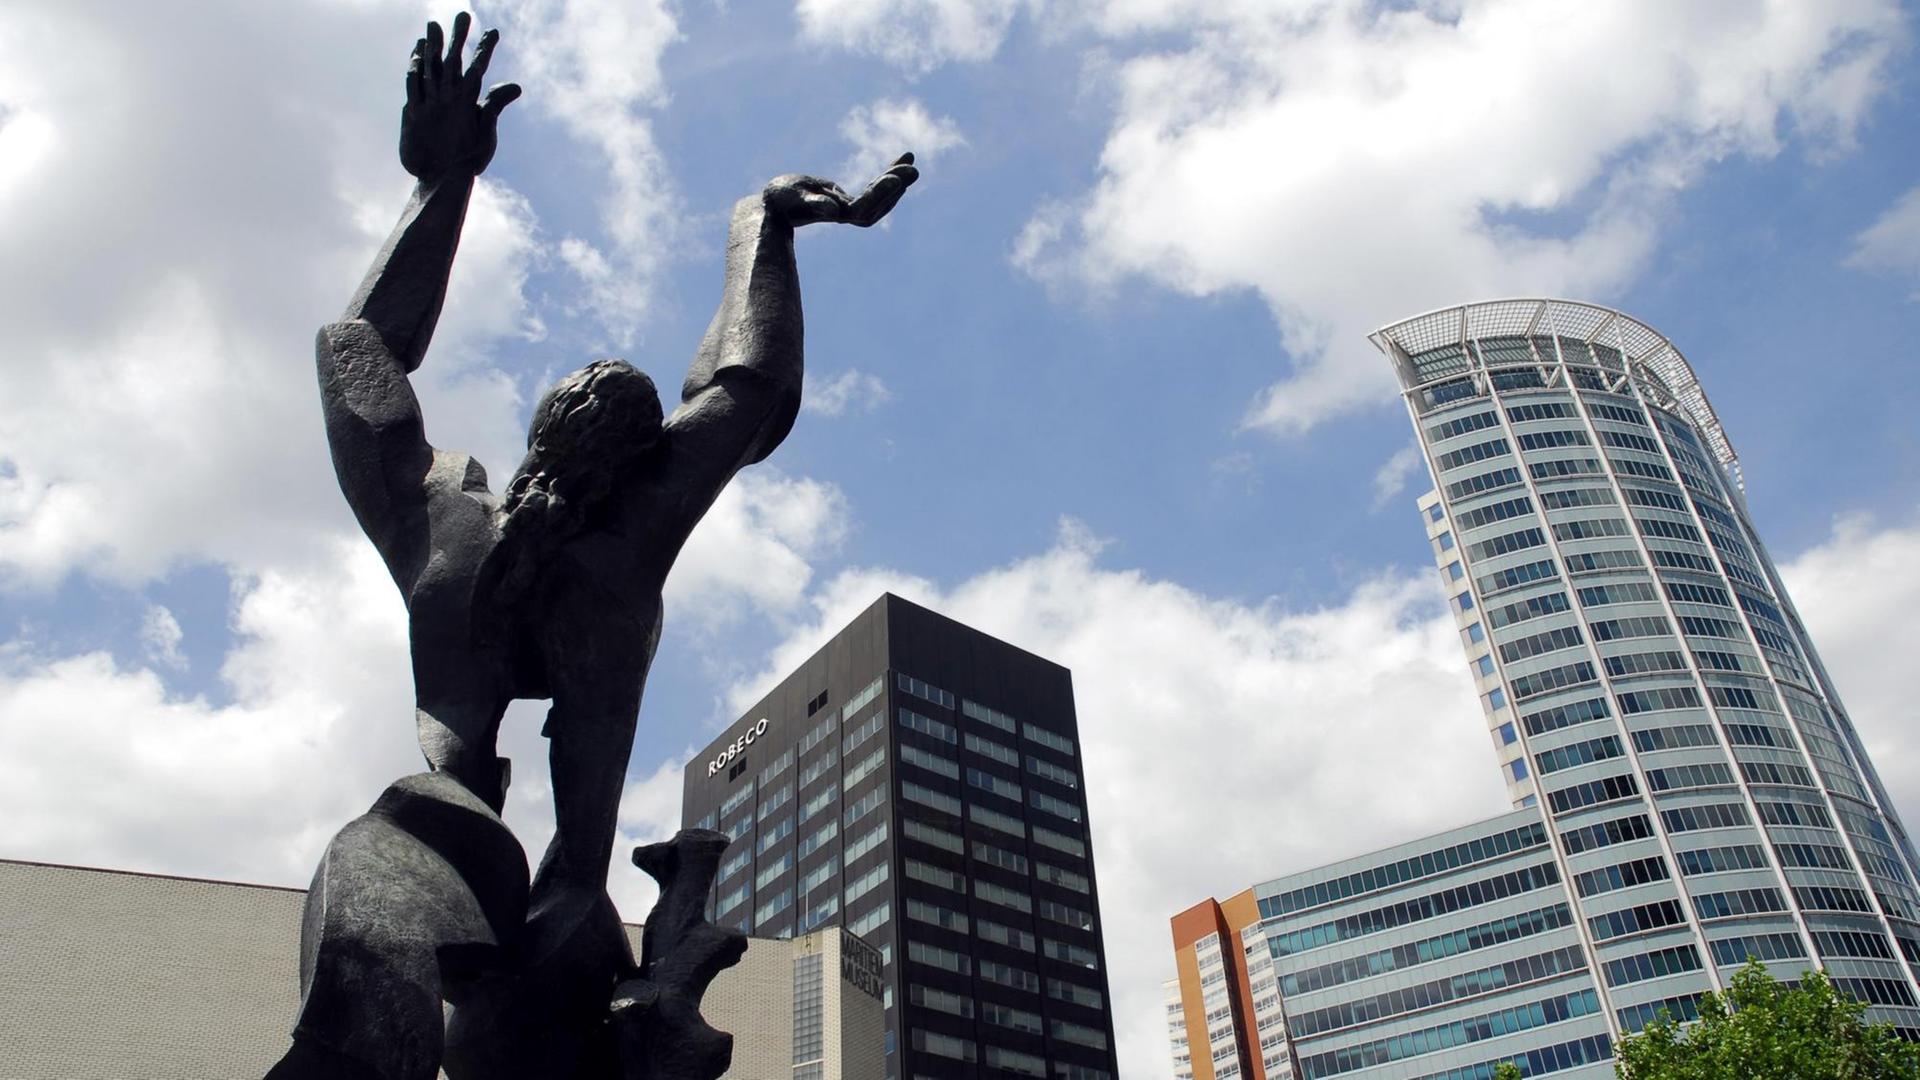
(553, 588)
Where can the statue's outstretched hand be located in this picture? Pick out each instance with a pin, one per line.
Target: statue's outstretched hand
(803, 200)
(445, 127)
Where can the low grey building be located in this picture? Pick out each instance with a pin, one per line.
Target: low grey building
(109, 975)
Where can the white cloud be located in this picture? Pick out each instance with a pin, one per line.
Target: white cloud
(1352, 163)
(753, 549)
(1391, 478)
(883, 130)
(1892, 242)
(1858, 591)
(160, 638)
(913, 34)
(1224, 743)
(321, 718)
(594, 65)
(172, 250)
(853, 389)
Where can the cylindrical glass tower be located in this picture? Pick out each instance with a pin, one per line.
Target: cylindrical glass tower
(1645, 676)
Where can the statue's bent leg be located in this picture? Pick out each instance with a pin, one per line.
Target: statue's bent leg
(417, 901)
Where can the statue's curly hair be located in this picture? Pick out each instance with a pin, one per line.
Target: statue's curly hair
(584, 431)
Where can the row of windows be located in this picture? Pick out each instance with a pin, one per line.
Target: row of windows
(1487, 515)
(1822, 856)
(1651, 965)
(1624, 875)
(1832, 943)
(1484, 935)
(1506, 543)
(1541, 682)
(1548, 440)
(1630, 467)
(1466, 455)
(1560, 716)
(1592, 793)
(1657, 498)
(860, 734)
(1488, 481)
(776, 767)
(1724, 905)
(1392, 1003)
(1514, 577)
(991, 717)
(1772, 772)
(1426, 864)
(1757, 735)
(1678, 777)
(1545, 1059)
(1658, 699)
(1563, 637)
(1606, 833)
(1667, 530)
(1554, 470)
(927, 725)
(1680, 560)
(1568, 498)
(1716, 860)
(1634, 627)
(1461, 425)
(1540, 410)
(1582, 562)
(1576, 754)
(1589, 529)
(1635, 1018)
(1875, 991)
(1728, 952)
(1636, 920)
(924, 691)
(1626, 441)
(1707, 816)
(818, 767)
(1473, 1029)
(1678, 737)
(1408, 911)
(1619, 592)
(1831, 898)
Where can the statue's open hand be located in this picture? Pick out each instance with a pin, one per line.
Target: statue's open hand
(445, 127)
(803, 200)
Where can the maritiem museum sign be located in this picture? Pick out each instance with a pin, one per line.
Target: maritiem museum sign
(737, 747)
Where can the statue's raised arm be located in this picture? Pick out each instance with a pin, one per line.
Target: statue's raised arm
(742, 390)
(374, 428)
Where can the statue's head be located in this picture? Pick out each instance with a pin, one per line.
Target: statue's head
(589, 429)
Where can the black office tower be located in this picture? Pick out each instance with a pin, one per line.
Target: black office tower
(919, 782)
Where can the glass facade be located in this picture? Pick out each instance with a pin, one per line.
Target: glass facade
(1689, 790)
(1635, 640)
(918, 782)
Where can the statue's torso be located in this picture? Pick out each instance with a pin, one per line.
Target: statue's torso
(493, 618)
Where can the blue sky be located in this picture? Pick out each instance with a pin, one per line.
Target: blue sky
(1100, 385)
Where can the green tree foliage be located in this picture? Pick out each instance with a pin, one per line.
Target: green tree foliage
(1760, 1028)
(1506, 1070)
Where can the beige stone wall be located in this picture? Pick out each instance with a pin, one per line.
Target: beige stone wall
(113, 976)
(143, 978)
(754, 1000)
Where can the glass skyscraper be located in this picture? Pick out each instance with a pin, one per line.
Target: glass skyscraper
(1656, 707)
(919, 783)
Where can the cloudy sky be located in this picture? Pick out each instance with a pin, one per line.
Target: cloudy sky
(1100, 387)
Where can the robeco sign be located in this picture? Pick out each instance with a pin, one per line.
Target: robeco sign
(734, 748)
